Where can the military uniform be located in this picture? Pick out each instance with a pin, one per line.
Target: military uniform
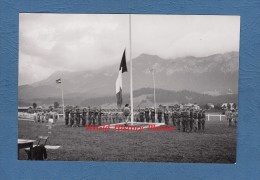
(67, 117)
(229, 117)
(153, 115)
(159, 112)
(199, 120)
(84, 117)
(126, 114)
(77, 118)
(90, 114)
(95, 116)
(185, 120)
(166, 117)
(99, 117)
(72, 118)
(112, 117)
(203, 120)
(174, 118)
(146, 112)
(195, 117)
(234, 117)
(177, 116)
(141, 116)
(183, 123)
(191, 120)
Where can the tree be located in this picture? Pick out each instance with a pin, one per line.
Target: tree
(34, 105)
(206, 106)
(217, 106)
(56, 104)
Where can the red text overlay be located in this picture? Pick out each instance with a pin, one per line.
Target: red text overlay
(151, 127)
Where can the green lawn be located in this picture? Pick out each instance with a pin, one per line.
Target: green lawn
(216, 145)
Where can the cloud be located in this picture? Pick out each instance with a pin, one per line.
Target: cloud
(76, 42)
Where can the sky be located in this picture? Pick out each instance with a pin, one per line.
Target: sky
(79, 42)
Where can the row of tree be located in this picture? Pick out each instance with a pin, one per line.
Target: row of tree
(56, 105)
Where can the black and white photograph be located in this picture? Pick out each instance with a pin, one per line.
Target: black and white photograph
(128, 87)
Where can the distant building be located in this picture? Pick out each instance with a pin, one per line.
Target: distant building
(24, 109)
(190, 105)
(196, 107)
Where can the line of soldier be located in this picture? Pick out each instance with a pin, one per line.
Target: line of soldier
(44, 116)
(75, 116)
(187, 120)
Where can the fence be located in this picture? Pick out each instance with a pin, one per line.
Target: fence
(221, 117)
(23, 115)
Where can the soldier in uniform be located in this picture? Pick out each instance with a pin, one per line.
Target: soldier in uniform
(146, 112)
(195, 117)
(95, 115)
(186, 116)
(174, 117)
(38, 117)
(126, 112)
(77, 117)
(153, 115)
(234, 116)
(117, 117)
(183, 123)
(99, 117)
(67, 117)
(84, 117)
(90, 114)
(191, 120)
(187, 120)
(120, 117)
(159, 112)
(229, 116)
(141, 115)
(177, 116)
(72, 118)
(137, 116)
(203, 120)
(47, 117)
(199, 119)
(166, 117)
(110, 116)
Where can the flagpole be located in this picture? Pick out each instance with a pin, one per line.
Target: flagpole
(131, 74)
(62, 101)
(154, 92)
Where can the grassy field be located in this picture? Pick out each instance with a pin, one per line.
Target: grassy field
(217, 144)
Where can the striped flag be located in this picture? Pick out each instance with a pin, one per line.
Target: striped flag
(58, 81)
(122, 69)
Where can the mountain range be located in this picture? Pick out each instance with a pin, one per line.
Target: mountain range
(215, 75)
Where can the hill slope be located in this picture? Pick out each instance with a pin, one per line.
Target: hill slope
(216, 74)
